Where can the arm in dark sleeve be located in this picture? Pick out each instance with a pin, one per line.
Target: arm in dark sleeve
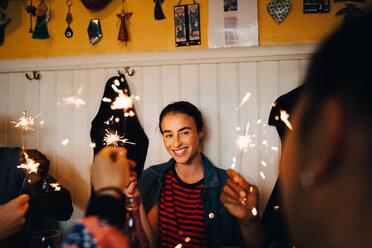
(55, 204)
(109, 208)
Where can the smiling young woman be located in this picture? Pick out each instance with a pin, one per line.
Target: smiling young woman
(182, 196)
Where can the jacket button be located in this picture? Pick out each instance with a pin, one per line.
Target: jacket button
(211, 215)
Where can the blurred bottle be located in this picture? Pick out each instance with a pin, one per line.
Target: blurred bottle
(132, 226)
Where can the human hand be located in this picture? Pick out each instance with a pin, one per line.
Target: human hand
(38, 157)
(240, 198)
(110, 168)
(12, 215)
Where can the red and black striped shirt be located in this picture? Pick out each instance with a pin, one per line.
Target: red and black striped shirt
(181, 214)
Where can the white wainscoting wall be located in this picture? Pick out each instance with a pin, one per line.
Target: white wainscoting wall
(216, 80)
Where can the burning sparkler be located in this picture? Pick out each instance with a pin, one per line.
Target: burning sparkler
(74, 100)
(114, 139)
(55, 186)
(30, 166)
(25, 123)
(244, 99)
(284, 117)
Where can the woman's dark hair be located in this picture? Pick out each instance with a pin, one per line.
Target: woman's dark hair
(184, 108)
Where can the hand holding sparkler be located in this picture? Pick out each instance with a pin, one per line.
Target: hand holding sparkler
(110, 170)
(12, 215)
(240, 198)
(35, 164)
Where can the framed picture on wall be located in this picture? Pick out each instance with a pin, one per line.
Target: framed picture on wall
(316, 6)
(187, 25)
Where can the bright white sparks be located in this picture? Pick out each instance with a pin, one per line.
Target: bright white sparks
(254, 211)
(30, 166)
(122, 101)
(114, 139)
(233, 164)
(25, 123)
(65, 142)
(263, 163)
(262, 175)
(284, 117)
(244, 99)
(55, 186)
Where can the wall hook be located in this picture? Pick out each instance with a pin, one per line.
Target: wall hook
(35, 75)
(128, 71)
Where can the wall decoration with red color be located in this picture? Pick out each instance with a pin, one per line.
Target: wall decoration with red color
(278, 10)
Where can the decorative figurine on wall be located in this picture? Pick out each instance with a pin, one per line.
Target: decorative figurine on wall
(350, 11)
(123, 32)
(316, 6)
(279, 9)
(94, 31)
(3, 22)
(158, 12)
(42, 18)
(68, 31)
(187, 24)
(32, 11)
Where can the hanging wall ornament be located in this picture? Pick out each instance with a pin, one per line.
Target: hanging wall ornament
(32, 11)
(42, 17)
(68, 31)
(94, 31)
(278, 10)
(123, 33)
(3, 22)
(95, 4)
(158, 12)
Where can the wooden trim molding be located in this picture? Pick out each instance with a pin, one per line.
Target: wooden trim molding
(196, 56)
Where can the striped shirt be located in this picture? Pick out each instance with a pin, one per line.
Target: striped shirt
(181, 214)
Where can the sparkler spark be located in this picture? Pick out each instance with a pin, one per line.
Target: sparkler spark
(55, 186)
(65, 142)
(244, 99)
(122, 101)
(233, 163)
(284, 117)
(30, 166)
(262, 175)
(25, 123)
(244, 141)
(74, 100)
(114, 139)
(178, 246)
(254, 211)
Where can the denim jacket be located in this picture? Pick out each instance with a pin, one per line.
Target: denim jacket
(223, 228)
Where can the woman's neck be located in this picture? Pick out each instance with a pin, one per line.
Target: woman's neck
(191, 173)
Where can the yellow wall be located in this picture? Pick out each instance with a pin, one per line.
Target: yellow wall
(145, 33)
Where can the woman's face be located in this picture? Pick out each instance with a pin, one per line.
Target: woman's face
(181, 137)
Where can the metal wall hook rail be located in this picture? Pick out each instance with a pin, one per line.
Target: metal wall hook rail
(35, 75)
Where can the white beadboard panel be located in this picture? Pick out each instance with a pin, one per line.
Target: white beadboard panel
(4, 118)
(80, 143)
(31, 105)
(171, 88)
(152, 106)
(47, 140)
(228, 101)
(288, 76)
(247, 113)
(64, 131)
(209, 108)
(304, 64)
(189, 83)
(15, 109)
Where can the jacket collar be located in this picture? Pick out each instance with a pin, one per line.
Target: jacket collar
(210, 174)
